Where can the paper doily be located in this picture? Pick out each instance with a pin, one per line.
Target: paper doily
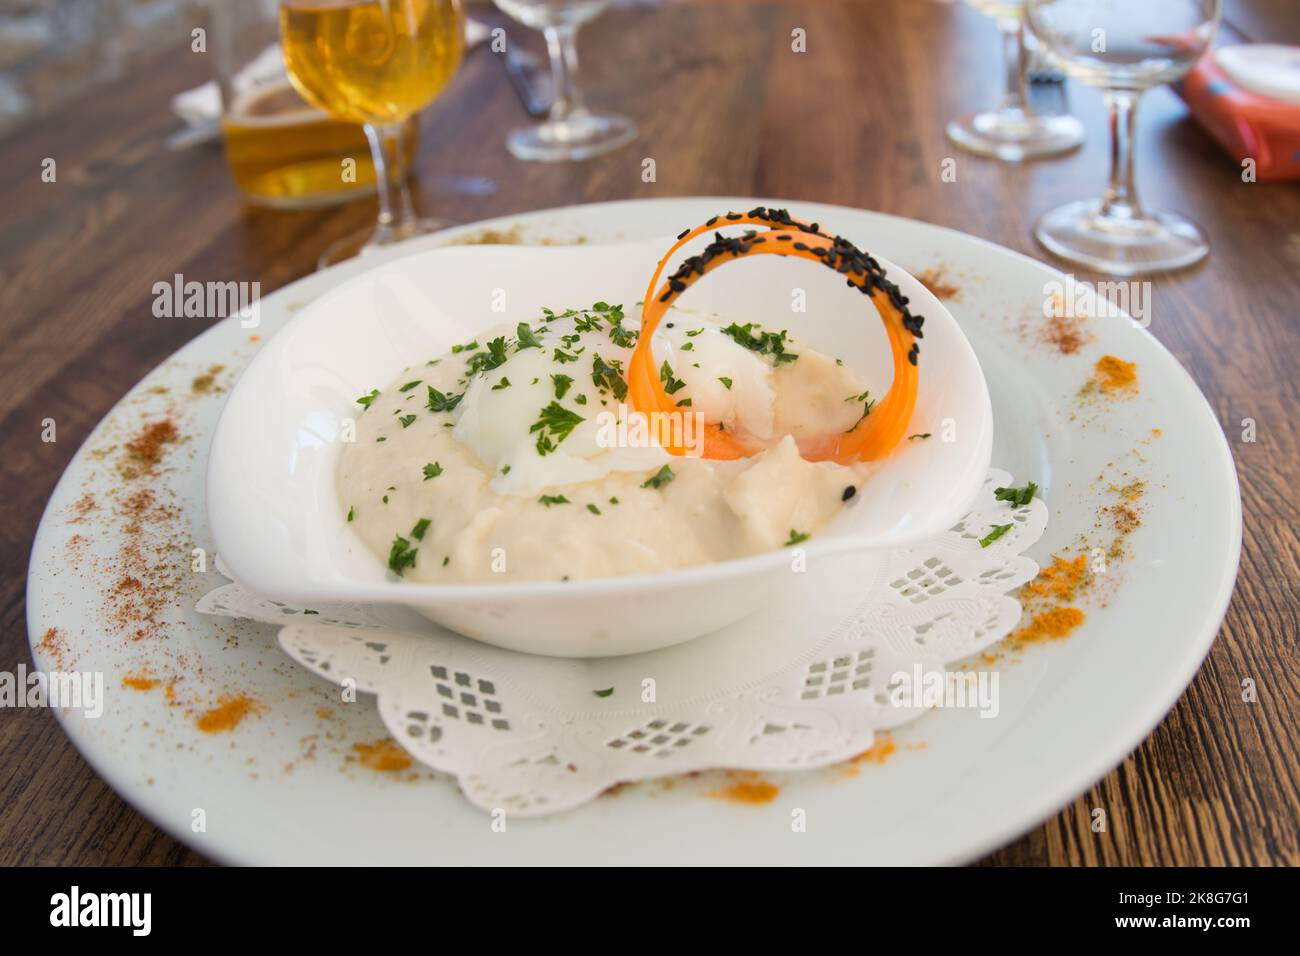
(804, 684)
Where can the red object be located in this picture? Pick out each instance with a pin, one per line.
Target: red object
(1246, 124)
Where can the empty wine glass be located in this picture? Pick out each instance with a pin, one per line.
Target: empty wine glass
(571, 131)
(1013, 131)
(1124, 48)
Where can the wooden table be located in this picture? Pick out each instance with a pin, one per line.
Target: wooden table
(724, 108)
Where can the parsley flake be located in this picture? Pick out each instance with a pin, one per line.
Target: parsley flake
(438, 402)
(401, 555)
(997, 531)
(1016, 497)
(660, 478)
(554, 425)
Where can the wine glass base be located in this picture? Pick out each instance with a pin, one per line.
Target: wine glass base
(1160, 242)
(365, 242)
(1013, 135)
(577, 137)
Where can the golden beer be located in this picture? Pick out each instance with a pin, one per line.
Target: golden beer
(371, 61)
(285, 153)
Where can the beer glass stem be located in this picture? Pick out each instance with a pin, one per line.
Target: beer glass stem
(1121, 200)
(561, 43)
(396, 214)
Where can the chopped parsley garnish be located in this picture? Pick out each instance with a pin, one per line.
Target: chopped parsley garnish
(593, 509)
(505, 469)
(580, 399)
(365, 400)
(563, 357)
(405, 420)
(562, 383)
(409, 385)
(671, 384)
(467, 347)
(764, 343)
(726, 382)
(420, 528)
(438, 402)
(797, 537)
(919, 436)
(352, 513)
(608, 376)
(494, 357)
(608, 691)
(401, 555)
(613, 501)
(659, 478)
(549, 500)
(997, 531)
(693, 332)
(868, 403)
(1016, 497)
(432, 470)
(554, 425)
(623, 338)
(688, 346)
(504, 383)
(684, 403)
(527, 338)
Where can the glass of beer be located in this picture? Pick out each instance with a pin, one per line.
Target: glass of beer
(377, 63)
(282, 151)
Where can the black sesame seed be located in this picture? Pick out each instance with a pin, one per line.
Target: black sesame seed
(849, 492)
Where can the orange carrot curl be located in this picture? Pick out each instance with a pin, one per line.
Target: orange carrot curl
(876, 434)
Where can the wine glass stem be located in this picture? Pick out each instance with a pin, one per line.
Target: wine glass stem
(396, 214)
(1013, 58)
(1121, 200)
(562, 44)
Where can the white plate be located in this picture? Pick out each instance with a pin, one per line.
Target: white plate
(279, 788)
(280, 527)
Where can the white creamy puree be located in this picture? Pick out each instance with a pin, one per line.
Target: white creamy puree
(515, 480)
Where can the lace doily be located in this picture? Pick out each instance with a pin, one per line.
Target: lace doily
(803, 685)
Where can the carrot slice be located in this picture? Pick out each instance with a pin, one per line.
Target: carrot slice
(876, 435)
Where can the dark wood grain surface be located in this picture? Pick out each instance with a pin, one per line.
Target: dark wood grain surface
(723, 108)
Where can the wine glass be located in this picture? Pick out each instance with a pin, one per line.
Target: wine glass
(374, 62)
(1013, 131)
(1123, 47)
(571, 131)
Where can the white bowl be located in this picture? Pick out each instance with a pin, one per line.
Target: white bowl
(280, 529)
